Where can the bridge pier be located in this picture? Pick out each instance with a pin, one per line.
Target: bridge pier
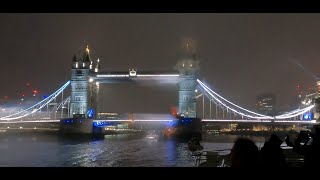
(76, 125)
(187, 128)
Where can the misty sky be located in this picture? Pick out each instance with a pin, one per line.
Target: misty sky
(241, 55)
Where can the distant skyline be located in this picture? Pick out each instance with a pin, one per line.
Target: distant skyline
(241, 55)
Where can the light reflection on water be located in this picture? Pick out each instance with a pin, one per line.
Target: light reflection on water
(113, 151)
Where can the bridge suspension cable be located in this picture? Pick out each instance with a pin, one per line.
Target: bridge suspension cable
(223, 102)
(245, 112)
(36, 107)
(61, 105)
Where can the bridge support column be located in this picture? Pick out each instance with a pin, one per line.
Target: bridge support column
(188, 69)
(79, 91)
(76, 126)
(188, 124)
(187, 128)
(78, 121)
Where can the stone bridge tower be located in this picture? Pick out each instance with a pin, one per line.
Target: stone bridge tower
(83, 93)
(188, 68)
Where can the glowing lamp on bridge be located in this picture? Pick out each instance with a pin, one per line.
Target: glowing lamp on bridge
(307, 116)
(132, 72)
(90, 113)
(174, 111)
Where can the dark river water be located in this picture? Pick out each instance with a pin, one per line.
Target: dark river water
(40, 150)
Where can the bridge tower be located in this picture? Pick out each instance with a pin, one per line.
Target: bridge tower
(188, 68)
(84, 93)
(79, 84)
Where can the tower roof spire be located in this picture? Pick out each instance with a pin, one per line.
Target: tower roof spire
(87, 50)
(86, 57)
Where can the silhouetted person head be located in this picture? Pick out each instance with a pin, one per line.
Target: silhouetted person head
(312, 155)
(271, 154)
(244, 153)
(275, 140)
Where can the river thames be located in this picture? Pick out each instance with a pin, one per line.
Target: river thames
(48, 150)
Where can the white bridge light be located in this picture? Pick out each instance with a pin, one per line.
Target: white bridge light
(132, 72)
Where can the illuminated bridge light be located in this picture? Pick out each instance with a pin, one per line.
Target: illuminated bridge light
(259, 121)
(157, 75)
(113, 120)
(112, 75)
(311, 122)
(154, 120)
(136, 120)
(42, 121)
(138, 75)
(227, 120)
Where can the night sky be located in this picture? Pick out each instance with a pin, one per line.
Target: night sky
(241, 55)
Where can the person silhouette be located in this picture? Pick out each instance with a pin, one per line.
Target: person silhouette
(310, 149)
(244, 153)
(272, 154)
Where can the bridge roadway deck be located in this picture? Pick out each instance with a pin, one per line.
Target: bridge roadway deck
(169, 120)
(121, 77)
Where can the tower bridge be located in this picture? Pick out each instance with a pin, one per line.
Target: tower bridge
(86, 78)
(78, 113)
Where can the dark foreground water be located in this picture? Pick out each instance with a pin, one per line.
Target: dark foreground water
(40, 150)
